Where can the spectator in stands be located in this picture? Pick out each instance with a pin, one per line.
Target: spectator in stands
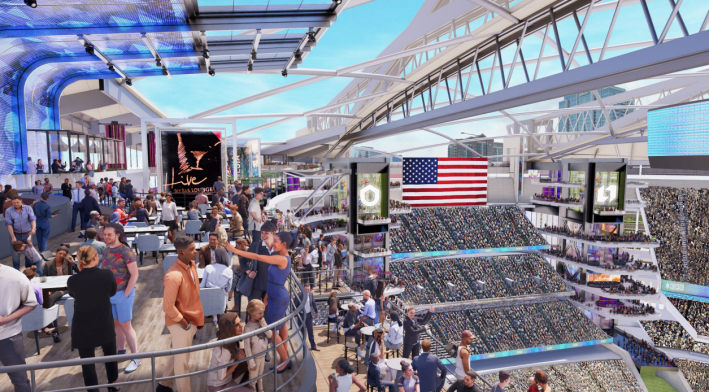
(311, 313)
(342, 379)
(218, 198)
(255, 217)
(256, 344)
(428, 367)
(374, 374)
(120, 259)
(92, 289)
(467, 384)
(231, 376)
(183, 311)
(91, 240)
(169, 217)
(128, 189)
(218, 185)
(540, 376)
(369, 313)
(21, 224)
(66, 188)
(17, 299)
(351, 326)
(462, 358)
(43, 212)
(408, 382)
(413, 330)
(505, 379)
(102, 222)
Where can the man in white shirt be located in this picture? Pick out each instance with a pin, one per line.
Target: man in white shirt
(255, 217)
(368, 314)
(330, 256)
(289, 219)
(307, 262)
(311, 311)
(77, 196)
(31, 171)
(17, 298)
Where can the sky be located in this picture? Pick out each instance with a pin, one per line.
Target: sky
(361, 33)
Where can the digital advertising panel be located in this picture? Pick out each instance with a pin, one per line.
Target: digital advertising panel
(677, 136)
(191, 160)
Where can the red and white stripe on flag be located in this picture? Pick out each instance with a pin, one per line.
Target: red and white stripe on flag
(444, 182)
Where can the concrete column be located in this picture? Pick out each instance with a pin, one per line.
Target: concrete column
(144, 143)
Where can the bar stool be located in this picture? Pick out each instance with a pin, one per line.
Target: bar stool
(353, 347)
(337, 334)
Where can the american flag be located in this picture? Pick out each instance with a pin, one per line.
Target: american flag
(441, 182)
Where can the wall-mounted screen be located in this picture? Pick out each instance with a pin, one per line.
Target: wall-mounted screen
(678, 136)
(191, 160)
(602, 278)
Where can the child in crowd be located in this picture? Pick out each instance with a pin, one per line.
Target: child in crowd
(31, 254)
(532, 385)
(258, 343)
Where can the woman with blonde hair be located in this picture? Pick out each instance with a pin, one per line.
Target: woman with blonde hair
(92, 324)
(256, 344)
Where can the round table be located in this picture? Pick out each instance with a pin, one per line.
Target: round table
(367, 330)
(395, 363)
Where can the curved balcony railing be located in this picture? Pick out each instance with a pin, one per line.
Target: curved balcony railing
(295, 318)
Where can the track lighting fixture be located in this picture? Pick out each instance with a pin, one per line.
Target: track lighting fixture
(205, 54)
(164, 71)
(337, 1)
(298, 55)
(158, 63)
(212, 72)
(250, 67)
(284, 73)
(253, 56)
(111, 68)
(89, 49)
(129, 82)
(31, 3)
(311, 37)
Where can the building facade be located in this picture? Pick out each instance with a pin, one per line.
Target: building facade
(590, 119)
(483, 147)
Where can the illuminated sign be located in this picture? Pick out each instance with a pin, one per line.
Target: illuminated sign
(612, 193)
(191, 160)
(533, 350)
(442, 253)
(685, 288)
(369, 195)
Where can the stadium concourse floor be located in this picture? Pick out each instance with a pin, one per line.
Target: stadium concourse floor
(149, 324)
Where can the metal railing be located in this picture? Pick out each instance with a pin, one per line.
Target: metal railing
(318, 277)
(296, 318)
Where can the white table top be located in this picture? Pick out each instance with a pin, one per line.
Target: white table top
(367, 330)
(150, 218)
(346, 306)
(171, 247)
(135, 229)
(395, 363)
(53, 282)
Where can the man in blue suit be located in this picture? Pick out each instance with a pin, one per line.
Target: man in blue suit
(428, 365)
(43, 212)
(87, 205)
(260, 246)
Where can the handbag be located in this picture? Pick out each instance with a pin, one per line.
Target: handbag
(246, 283)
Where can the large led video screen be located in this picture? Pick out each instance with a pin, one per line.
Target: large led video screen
(191, 160)
(602, 278)
(678, 136)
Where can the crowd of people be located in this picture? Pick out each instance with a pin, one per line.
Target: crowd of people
(627, 237)
(695, 312)
(560, 200)
(606, 375)
(628, 286)
(436, 229)
(516, 327)
(671, 334)
(663, 218)
(475, 278)
(696, 374)
(643, 353)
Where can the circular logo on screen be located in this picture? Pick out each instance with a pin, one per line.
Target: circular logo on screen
(369, 195)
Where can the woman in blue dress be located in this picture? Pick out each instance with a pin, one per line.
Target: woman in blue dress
(278, 298)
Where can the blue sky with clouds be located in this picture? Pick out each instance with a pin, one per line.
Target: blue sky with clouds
(361, 33)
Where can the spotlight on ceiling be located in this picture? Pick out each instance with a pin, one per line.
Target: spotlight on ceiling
(298, 55)
(212, 72)
(31, 3)
(111, 68)
(158, 63)
(129, 82)
(337, 1)
(164, 71)
(311, 37)
(284, 73)
(205, 54)
(250, 67)
(89, 49)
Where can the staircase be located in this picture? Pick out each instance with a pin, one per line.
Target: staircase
(683, 231)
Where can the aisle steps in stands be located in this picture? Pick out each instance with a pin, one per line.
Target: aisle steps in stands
(683, 231)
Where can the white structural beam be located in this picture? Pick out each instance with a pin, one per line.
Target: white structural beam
(492, 7)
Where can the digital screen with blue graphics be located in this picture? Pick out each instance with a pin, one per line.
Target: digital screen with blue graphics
(678, 136)
(669, 286)
(440, 253)
(534, 350)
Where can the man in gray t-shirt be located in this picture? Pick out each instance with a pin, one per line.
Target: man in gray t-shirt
(255, 217)
(218, 185)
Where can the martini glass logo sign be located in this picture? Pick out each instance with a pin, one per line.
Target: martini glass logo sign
(187, 174)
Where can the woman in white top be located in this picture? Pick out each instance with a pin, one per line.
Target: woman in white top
(377, 348)
(169, 217)
(342, 379)
(231, 376)
(218, 274)
(394, 339)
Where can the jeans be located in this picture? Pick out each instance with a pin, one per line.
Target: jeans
(412, 348)
(309, 328)
(357, 336)
(389, 384)
(74, 211)
(16, 255)
(89, 371)
(42, 238)
(12, 352)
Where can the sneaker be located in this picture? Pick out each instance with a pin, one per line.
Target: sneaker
(360, 353)
(132, 366)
